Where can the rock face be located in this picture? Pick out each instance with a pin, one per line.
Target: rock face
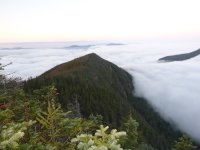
(180, 57)
(102, 88)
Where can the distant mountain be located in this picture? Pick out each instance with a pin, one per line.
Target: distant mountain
(180, 57)
(15, 48)
(102, 88)
(114, 44)
(79, 47)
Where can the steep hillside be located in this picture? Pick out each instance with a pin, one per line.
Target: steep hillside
(180, 57)
(102, 88)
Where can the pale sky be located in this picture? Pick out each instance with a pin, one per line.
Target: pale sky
(69, 20)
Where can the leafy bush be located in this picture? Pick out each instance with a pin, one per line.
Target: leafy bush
(12, 133)
(101, 140)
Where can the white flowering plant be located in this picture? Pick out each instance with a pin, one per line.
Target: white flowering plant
(101, 140)
(12, 133)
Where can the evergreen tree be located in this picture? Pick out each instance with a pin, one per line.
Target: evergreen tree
(131, 128)
(184, 143)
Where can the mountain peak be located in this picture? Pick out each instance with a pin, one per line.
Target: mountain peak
(103, 88)
(91, 56)
(90, 61)
(94, 55)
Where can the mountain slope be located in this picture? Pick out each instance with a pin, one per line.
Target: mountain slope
(100, 87)
(180, 57)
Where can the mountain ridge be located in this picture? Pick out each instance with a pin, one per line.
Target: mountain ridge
(102, 88)
(180, 57)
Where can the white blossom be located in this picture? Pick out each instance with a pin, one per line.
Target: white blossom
(100, 141)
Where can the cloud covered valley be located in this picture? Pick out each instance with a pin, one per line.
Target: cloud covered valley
(171, 88)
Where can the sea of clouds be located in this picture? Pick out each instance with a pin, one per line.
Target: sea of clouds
(173, 89)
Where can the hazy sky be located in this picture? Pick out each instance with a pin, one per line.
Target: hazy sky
(68, 20)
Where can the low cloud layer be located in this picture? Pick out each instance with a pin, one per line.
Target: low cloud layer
(171, 88)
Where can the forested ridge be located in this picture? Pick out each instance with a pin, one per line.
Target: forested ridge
(102, 88)
(71, 107)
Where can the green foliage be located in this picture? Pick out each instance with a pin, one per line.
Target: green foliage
(25, 106)
(48, 121)
(57, 129)
(184, 143)
(2, 98)
(131, 140)
(101, 88)
(6, 116)
(12, 133)
(54, 128)
(144, 146)
(101, 140)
